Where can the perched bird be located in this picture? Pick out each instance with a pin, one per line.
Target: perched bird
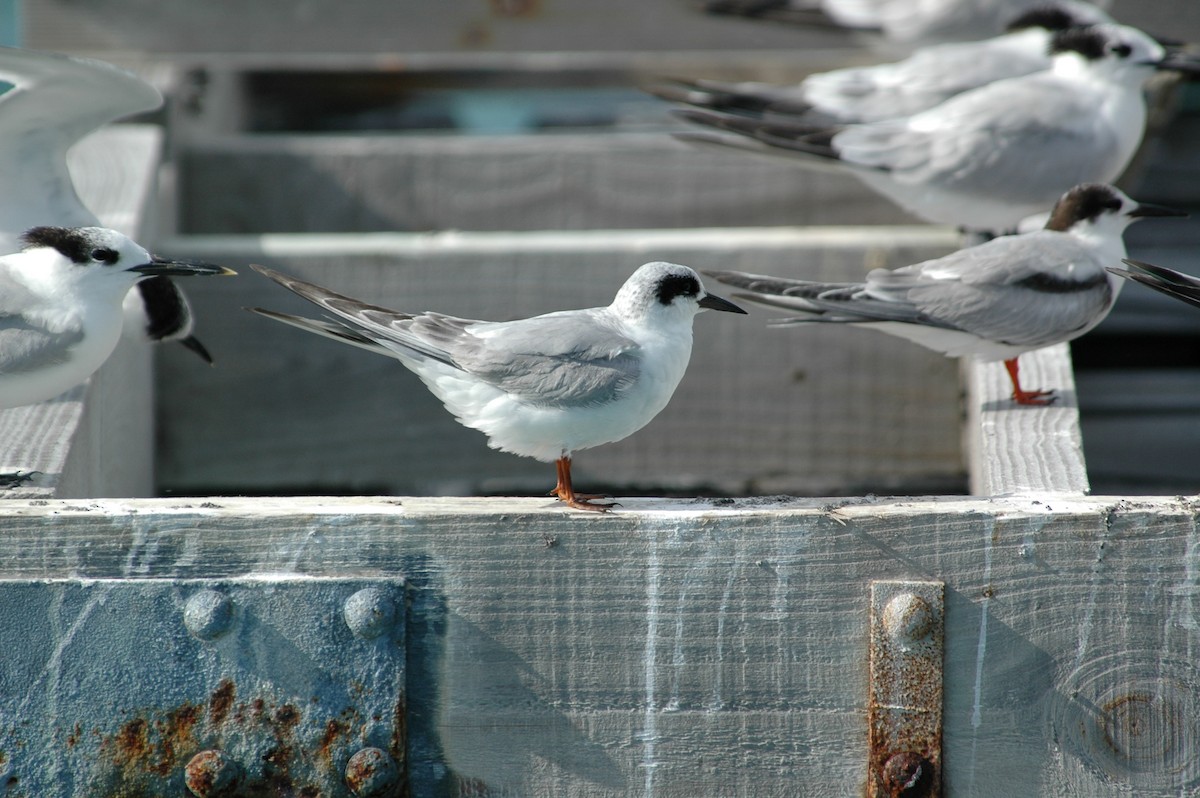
(985, 159)
(1166, 281)
(55, 101)
(928, 77)
(60, 306)
(543, 387)
(911, 22)
(994, 301)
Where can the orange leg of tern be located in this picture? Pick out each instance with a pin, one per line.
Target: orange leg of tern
(1035, 398)
(567, 494)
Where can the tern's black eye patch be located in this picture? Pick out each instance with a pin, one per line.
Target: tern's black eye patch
(1122, 50)
(79, 245)
(105, 255)
(1048, 17)
(676, 285)
(1091, 43)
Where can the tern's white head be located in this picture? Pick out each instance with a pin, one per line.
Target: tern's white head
(1113, 52)
(59, 258)
(665, 293)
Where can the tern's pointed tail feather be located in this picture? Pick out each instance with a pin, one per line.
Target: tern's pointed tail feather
(327, 329)
(752, 99)
(1167, 281)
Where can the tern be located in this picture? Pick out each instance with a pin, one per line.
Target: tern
(542, 387)
(928, 77)
(910, 22)
(61, 306)
(994, 301)
(987, 158)
(55, 101)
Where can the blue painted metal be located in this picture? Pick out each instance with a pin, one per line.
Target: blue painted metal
(105, 690)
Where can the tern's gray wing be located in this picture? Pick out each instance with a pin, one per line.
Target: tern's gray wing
(928, 77)
(1014, 138)
(570, 358)
(1024, 290)
(24, 345)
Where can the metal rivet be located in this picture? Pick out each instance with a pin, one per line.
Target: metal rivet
(208, 614)
(907, 775)
(908, 618)
(372, 772)
(369, 612)
(211, 774)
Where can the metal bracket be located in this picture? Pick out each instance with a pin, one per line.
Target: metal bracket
(904, 706)
(273, 686)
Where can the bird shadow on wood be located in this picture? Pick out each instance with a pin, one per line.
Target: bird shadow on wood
(494, 720)
(996, 685)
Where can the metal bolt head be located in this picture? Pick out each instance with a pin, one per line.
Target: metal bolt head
(208, 615)
(907, 775)
(908, 618)
(211, 774)
(369, 612)
(372, 773)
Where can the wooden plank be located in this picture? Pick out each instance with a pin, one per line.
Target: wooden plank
(1016, 449)
(810, 410)
(97, 439)
(685, 648)
(237, 185)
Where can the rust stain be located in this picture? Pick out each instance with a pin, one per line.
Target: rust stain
(287, 716)
(904, 703)
(221, 701)
(72, 738)
(333, 730)
(175, 735)
(132, 742)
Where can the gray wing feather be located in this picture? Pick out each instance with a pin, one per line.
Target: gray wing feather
(569, 358)
(975, 144)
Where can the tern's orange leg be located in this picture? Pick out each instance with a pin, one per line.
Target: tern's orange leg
(1035, 398)
(567, 494)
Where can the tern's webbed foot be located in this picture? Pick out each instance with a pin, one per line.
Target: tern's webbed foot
(1035, 398)
(588, 502)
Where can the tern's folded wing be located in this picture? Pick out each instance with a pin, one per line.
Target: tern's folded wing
(569, 359)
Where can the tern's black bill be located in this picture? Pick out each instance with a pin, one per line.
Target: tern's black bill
(180, 268)
(716, 303)
(1145, 209)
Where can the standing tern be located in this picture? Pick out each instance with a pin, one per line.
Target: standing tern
(543, 387)
(912, 22)
(994, 301)
(1183, 287)
(928, 77)
(56, 100)
(60, 306)
(987, 158)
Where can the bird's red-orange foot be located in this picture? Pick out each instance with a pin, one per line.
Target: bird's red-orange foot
(578, 501)
(1034, 398)
(1023, 397)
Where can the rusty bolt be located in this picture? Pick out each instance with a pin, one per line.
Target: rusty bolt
(908, 618)
(369, 612)
(208, 615)
(372, 773)
(211, 774)
(907, 775)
